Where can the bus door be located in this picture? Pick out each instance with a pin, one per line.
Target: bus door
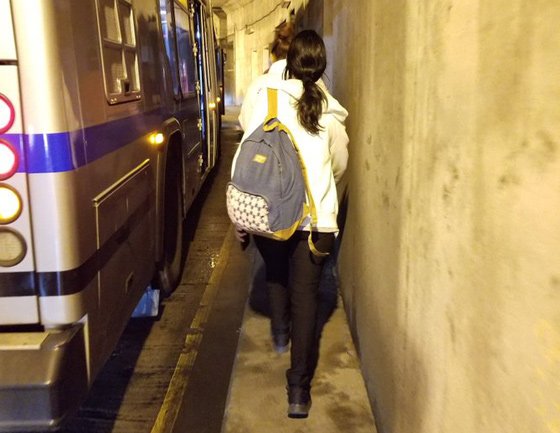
(206, 85)
(177, 27)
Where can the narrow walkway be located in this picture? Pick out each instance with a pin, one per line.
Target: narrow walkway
(257, 399)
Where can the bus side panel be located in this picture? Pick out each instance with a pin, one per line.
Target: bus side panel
(94, 178)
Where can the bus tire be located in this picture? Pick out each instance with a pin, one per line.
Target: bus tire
(173, 260)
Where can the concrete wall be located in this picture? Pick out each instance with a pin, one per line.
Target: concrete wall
(252, 28)
(450, 255)
(450, 259)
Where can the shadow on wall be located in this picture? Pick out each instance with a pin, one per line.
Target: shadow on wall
(229, 71)
(371, 272)
(375, 343)
(311, 16)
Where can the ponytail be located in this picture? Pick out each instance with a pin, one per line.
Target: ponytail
(310, 107)
(306, 61)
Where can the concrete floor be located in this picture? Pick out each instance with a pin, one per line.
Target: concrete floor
(257, 398)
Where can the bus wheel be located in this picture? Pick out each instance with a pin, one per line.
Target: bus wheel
(173, 260)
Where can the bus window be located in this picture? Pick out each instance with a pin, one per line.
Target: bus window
(126, 21)
(119, 51)
(168, 30)
(201, 76)
(208, 56)
(185, 51)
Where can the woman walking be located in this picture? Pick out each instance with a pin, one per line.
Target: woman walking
(316, 121)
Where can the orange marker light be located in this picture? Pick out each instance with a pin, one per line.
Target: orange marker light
(156, 138)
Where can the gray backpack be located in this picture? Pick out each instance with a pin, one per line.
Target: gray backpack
(268, 194)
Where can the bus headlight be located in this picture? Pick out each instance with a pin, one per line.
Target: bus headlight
(10, 204)
(13, 247)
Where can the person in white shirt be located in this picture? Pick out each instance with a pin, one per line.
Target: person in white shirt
(316, 121)
(283, 35)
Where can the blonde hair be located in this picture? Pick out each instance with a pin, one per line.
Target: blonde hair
(283, 35)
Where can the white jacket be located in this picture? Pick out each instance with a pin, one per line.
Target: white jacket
(325, 155)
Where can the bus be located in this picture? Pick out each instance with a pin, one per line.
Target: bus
(109, 126)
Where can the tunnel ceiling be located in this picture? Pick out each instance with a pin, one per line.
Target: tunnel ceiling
(230, 5)
(226, 5)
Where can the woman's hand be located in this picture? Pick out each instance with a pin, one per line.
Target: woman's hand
(241, 235)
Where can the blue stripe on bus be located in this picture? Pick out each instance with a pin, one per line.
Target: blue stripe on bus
(65, 151)
(47, 153)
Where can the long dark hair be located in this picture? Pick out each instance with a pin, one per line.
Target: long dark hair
(307, 61)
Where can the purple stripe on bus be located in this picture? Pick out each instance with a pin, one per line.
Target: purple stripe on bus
(65, 151)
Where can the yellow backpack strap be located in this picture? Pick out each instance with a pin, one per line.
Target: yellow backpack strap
(272, 111)
(312, 210)
(311, 205)
(272, 104)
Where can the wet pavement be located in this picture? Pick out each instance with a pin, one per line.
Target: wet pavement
(174, 371)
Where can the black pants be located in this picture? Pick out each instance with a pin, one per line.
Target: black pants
(292, 276)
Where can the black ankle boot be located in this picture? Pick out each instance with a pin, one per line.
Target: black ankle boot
(281, 341)
(299, 402)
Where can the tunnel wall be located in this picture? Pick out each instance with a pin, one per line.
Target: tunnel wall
(253, 33)
(251, 28)
(449, 261)
(450, 254)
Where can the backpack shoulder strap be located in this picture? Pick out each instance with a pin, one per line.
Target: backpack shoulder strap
(272, 95)
(271, 122)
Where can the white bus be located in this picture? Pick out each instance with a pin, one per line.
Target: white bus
(109, 125)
